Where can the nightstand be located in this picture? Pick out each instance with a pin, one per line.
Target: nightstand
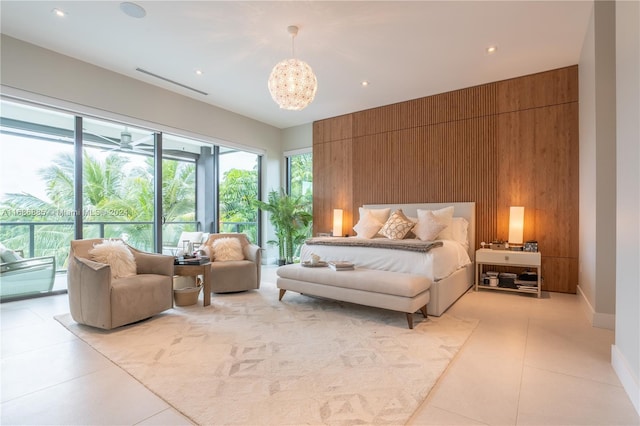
(509, 258)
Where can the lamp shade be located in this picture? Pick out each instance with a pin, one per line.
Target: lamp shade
(516, 224)
(292, 84)
(337, 222)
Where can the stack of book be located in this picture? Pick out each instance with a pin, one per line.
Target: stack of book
(340, 265)
(200, 260)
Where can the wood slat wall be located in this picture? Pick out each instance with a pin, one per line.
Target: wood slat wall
(513, 142)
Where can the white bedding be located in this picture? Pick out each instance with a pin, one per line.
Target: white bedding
(437, 264)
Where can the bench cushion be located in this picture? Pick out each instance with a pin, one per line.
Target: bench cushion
(384, 282)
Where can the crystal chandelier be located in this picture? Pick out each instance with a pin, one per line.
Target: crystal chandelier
(292, 83)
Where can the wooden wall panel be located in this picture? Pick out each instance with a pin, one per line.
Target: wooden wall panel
(538, 90)
(500, 144)
(332, 171)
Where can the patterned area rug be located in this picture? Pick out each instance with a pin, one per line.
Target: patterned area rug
(250, 359)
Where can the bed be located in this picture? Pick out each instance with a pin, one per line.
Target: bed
(449, 265)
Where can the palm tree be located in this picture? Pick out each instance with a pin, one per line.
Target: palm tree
(108, 188)
(290, 219)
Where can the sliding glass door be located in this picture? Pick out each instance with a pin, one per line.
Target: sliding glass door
(203, 187)
(239, 184)
(36, 205)
(118, 183)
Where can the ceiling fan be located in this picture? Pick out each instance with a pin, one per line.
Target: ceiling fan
(125, 143)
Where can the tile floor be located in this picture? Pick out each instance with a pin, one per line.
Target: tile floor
(530, 362)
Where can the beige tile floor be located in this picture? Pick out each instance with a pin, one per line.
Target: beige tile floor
(530, 362)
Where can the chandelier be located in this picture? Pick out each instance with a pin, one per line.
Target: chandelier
(292, 83)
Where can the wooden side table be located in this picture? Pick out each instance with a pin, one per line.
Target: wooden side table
(509, 258)
(195, 270)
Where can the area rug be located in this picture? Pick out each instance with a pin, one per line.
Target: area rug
(249, 359)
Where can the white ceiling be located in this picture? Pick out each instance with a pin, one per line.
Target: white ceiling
(406, 50)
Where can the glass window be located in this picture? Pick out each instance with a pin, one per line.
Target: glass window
(238, 188)
(117, 183)
(300, 187)
(179, 156)
(204, 187)
(300, 177)
(36, 193)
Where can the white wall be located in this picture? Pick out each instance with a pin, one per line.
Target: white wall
(299, 137)
(38, 74)
(625, 353)
(597, 196)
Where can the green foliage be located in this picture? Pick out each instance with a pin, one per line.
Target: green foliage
(112, 192)
(291, 220)
(302, 176)
(238, 189)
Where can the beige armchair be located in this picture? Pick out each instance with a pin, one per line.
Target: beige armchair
(235, 275)
(99, 300)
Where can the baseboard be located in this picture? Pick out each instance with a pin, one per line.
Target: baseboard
(628, 380)
(596, 319)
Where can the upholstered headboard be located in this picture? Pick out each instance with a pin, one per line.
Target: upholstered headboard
(465, 209)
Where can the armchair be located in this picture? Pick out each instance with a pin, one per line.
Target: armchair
(234, 275)
(20, 276)
(99, 299)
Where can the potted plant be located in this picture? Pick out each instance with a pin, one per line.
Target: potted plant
(290, 220)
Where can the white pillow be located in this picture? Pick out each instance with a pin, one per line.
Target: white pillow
(227, 248)
(381, 214)
(444, 215)
(117, 255)
(9, 256)
(459, 229)
(428, 226)
(368, 225)
(397, 226)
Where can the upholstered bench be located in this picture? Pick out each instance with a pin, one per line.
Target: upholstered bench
(381, 289)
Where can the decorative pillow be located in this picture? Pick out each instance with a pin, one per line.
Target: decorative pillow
(227, 248)
(444, 215)
(9, 256)
(368, 226)
(206, 249)
(117, 255)
(397, 226)
(381, 214)
(410, 235)
(459, 229)
(428, 226)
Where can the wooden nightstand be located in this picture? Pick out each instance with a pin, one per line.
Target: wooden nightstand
(509, 258)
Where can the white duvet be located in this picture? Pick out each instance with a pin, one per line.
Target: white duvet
(438, 263)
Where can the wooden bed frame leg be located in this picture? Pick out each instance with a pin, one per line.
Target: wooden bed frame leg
(410, 320)
(282, 292)
(424, 311)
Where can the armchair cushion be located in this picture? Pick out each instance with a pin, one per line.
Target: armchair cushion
(235, 275)
(9, 256)
(227, 249)
(117, 255)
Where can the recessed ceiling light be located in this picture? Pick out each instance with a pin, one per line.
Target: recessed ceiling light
(198, 72)
(491, 50)
(59, 12)
(132, 9)
(365, 83)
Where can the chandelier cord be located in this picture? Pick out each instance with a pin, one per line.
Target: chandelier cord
(292, 83)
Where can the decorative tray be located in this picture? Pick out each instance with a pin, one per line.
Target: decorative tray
(308, 264)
